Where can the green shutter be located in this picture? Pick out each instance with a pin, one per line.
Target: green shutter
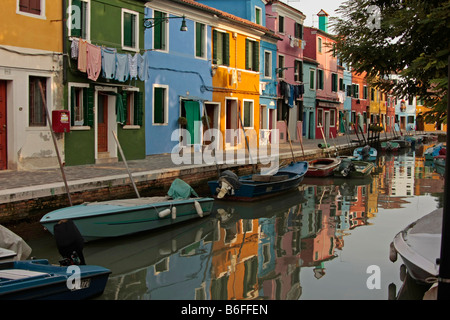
(255, 56)
(76, 32)
(88, 106)
(159, 31)
(215, 46)
(72, 106)
(247, 58)
(158, 107)
(138, 108)
(199, 34)
(127, 30)
(226, 49)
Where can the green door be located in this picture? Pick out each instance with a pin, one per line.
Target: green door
(192, 109)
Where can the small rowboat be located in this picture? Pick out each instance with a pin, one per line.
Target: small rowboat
(354, 169)
(322, 167)
(390, 146)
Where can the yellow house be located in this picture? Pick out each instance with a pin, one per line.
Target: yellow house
(236, 81)
(377, 106)
(31, 52)
(421, 125)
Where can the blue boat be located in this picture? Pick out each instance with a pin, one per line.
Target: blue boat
(433, 151)
(114, 218)
(39, 280)
(366, 153)
(258, 186)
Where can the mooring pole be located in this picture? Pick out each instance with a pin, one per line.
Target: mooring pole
(54, 142)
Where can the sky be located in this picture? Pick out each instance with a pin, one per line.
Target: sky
(311, 7)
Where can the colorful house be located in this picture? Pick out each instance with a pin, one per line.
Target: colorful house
(320, 47)
(345, 91)
(287, 22)
(309, 97)
(105, 74)
(31, 52)
(360, 101)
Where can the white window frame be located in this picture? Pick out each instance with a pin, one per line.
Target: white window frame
(131, 112)
(205, 40)
(136, 37)
(31, 15)
(280, 67)
(77, 85)
(258, 12)
(252, 113)
(314, 80)
(88, 20)
(166, 34)
(269, 76)
(166, 105)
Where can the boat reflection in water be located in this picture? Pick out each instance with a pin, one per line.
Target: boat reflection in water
(288, 247)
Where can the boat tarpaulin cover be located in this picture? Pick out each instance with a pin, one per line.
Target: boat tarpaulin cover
(181, 190)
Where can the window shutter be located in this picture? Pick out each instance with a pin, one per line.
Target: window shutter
(158, 110)
(138, 108)
(159, 31)
(88, 103)
(226, 49)
(127, 33)
(124, 97)
(215, 46)
(247, 58)
(72, 106)
(76, 32)
(255, 56)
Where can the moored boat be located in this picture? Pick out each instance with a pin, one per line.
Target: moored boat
(390, 146)
(403, 143)
(39, 280)
(366, 153)
(354, 169)
(127, 216)
(433, 151)
(322, 167)
(257, 186)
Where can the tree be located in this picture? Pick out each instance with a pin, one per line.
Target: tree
(408, 38)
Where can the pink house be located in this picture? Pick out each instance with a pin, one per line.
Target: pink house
(329, 100)
(287, 22)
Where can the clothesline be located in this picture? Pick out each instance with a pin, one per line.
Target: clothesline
(95, 60)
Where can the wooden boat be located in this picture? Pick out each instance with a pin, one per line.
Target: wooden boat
(354, 169)
(365, 153)
(419, 246)
(433, 151)
(322, 167)
(39, 280)
(390, 146)
(257, 186)
(402, 142)
(440, 160)
(127, 216)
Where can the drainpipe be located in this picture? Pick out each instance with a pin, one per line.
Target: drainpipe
(64, 32)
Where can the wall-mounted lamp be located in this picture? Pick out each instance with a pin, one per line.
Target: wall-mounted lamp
(151, 22)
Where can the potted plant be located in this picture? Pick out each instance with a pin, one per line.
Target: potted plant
(205, 123)
(182, 121)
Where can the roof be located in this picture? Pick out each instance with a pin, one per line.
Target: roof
(286, 5)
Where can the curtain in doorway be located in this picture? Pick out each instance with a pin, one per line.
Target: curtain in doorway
(192, 109)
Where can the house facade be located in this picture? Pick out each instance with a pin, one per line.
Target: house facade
(309, 97)
(31, 61)
(359, 91)
(105, 75)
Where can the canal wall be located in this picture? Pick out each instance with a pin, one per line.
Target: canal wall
(32, 202)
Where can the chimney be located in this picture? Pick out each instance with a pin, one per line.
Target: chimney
(323, 20)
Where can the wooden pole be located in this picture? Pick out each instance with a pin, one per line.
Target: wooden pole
(245, 138)
(301, 141)
(289, 138)
(54, 142)
(126, 164)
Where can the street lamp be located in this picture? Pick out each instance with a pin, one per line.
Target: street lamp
(151, 22)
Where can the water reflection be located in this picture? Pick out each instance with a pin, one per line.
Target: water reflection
(258, 250)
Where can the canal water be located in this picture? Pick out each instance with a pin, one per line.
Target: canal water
(328, 240)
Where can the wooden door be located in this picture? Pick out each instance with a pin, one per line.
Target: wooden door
(3, 139)
(102, 122)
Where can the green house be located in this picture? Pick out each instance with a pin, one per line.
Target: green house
(104, 49)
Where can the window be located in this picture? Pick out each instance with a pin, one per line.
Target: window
(332, 117)
(160, 31)
(312, 75)
(365, 92)
(349, 90)
(221, 48)
(267, 64)
(341, 84)
(251, 55)
(280, 24)
(355, 91)
(372, 94)
(200, 41)
(280, 66)
(258, 15)
(36, 109)
(32, 7)
(132, 101)
(81, 99)
(334, 82)
(248, 114)
(130, 30)
(319, 116)
(319, 44)
(298, 31)
(79, 25)
(160, 104)
(298, 71)
(320, 79)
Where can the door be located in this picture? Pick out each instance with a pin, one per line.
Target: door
(102, 122)
(3, 138)
(326, 125)
(311, 125)
(192, 109)
(231, 133)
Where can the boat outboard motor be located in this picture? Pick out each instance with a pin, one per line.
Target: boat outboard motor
(228, 182)
(365, 151)
(69, 242)
(346, 167)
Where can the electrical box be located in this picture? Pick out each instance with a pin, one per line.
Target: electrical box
(61, 120)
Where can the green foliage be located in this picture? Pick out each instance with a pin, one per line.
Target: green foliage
(411, 40)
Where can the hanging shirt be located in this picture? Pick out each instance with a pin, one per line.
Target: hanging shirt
(108, 63)
(82, 55)
(94, 61)
(142, 66)
(133, 65)
(122, 68)
(74, 48)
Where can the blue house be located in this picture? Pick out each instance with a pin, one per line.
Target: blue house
(178, 48)
(255, 11)
(309, 97)
(347, 83)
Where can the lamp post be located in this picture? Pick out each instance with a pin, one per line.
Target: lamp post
(151, 22)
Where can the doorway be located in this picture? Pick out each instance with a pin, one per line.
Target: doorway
(231, 123)
(212, 111)
(102, 122)
(3, 130)
(326, 125)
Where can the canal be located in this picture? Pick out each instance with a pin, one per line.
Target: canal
(328, 240)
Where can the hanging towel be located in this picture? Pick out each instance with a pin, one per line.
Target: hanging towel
(94, 61)
(122, 68)
(82, 55)
(120, 110)
(132, 62)
(142, 64)
(74, 48)
(291, 102)
(108, 63)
